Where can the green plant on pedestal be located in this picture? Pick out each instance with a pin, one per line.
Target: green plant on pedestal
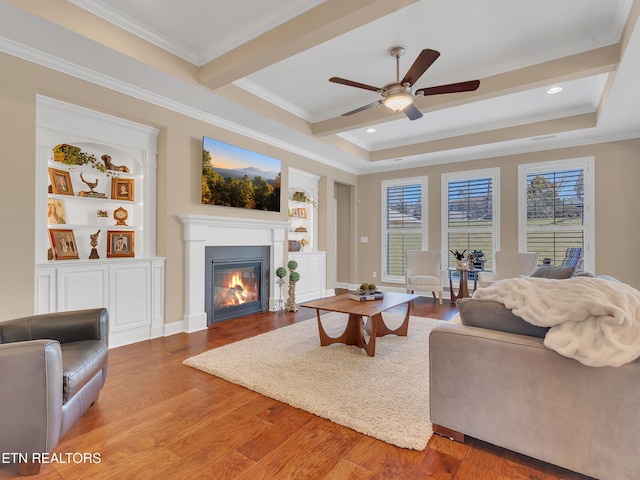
(293, 279)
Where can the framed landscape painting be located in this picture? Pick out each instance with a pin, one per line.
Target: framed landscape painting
(235, 177)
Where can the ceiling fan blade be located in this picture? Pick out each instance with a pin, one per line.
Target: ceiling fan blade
(412, 112)
(354, 84)
(424, 61)
(372, 104)
(469, 86)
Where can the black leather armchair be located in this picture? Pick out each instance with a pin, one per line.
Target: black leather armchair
(52, 368)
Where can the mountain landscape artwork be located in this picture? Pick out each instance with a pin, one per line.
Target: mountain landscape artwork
(236, 177)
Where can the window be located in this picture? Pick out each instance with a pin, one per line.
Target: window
(554, 206)
(470, 218)
(403, 224)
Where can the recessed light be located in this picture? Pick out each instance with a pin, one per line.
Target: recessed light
(370, 130)
(553, 90)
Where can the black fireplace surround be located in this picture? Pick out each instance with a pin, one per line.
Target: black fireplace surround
(247, 293)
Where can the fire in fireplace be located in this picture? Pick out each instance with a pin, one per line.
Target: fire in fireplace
(235, 285)
(237, 282)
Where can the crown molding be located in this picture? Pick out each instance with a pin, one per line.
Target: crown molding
(55, 63)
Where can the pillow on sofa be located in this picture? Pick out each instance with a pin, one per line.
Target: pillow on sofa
(582, 273)
(550, 271)
(495, 316)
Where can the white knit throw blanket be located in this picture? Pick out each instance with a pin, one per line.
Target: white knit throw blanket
(592, 320)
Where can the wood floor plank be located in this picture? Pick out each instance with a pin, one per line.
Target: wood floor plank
(301, 455)
(444, 445)
(345, 469)
(282, 423)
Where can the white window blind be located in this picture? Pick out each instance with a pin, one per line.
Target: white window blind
(555, 199)
(470, 216)
(403, 224)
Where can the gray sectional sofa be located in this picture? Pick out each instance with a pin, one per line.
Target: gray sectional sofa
(508, 389)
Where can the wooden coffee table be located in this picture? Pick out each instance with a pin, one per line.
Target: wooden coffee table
(354, 333)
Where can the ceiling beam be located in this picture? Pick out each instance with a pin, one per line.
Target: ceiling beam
(324, 22)
(529, 130)
(593, 62)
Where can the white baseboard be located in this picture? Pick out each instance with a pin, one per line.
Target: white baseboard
(174, 328)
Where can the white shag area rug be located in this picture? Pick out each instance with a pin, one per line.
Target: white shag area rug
(385, 397)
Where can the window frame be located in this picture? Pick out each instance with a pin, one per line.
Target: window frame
(423, 230)
(588, 226)
(494, 174)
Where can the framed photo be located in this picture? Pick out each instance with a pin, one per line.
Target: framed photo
(60, 182)
(55, 212)
(294, 246)
(302, 213)
(64, 244)
(122, 189)
(120, 243)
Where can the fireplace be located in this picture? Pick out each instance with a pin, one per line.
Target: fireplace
(237, 281)
(204, 231)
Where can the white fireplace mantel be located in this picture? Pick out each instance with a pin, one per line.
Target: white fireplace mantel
(202, 231)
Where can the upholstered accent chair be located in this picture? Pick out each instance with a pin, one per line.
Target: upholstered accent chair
(509, 265)
(423, 272)
(52, 368)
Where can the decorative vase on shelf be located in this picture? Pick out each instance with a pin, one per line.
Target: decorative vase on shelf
(462, 265)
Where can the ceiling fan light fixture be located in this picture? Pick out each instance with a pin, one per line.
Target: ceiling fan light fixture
(398, 102)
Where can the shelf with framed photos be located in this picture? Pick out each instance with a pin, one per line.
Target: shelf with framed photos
(301, 229)
(93, 202)
(302, 211)
(96, 220)
(303, 235)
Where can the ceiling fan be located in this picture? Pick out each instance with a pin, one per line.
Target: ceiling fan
(399, 95)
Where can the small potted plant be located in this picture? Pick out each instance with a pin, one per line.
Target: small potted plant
(460, 258)
(103, 216)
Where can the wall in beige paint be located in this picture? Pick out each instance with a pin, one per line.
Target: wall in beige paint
(17, 241)
(617, 165)
(179, 182)
(344, 233)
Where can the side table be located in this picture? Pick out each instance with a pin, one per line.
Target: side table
(463, 289)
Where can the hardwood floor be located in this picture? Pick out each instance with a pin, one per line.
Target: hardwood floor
(157, 418)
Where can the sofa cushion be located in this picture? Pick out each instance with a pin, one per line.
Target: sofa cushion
(558, 272)
(495, 316)
(81, 361)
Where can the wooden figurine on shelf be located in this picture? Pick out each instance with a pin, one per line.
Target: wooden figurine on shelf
(110, 166)
(94, 244)
(91, 186)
